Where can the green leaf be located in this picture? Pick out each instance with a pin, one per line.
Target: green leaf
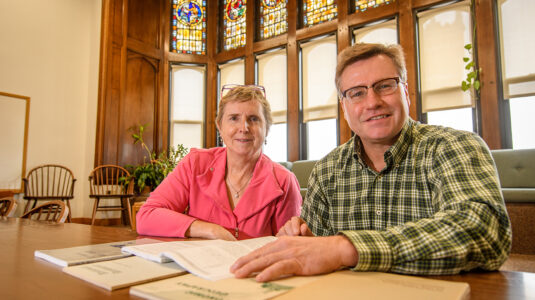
(476, 85)
(468, 46)
(465, 86)
(466, 59)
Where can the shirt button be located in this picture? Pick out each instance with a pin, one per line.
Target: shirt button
(378, 212)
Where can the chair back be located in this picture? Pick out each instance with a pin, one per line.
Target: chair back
(7, 206)
(54, 211)
(108, 181)
(49, 182)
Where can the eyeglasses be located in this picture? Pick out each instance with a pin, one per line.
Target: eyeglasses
(383, 87)
(229, 87)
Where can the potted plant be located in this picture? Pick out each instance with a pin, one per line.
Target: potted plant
(152, 172)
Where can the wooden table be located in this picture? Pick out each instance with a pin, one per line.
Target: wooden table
(24, 277)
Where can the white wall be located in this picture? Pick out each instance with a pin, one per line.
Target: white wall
(49, 51)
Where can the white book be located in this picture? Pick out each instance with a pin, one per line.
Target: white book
(191, 287)
(90, 253)
(209, 259)
(124, 272)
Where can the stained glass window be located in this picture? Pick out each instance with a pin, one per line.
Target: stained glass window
(362, 5)
(319, 11)
(272, 18)
(234, 24)
(188, 32)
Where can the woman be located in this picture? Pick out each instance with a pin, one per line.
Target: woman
(229, 193)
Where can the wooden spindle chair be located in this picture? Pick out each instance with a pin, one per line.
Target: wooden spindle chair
(49, 182)
(105, 183)
(53, 211)
(7, 206)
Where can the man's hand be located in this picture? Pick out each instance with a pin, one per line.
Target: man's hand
(295, 227)
(297, 256)
(207, 230)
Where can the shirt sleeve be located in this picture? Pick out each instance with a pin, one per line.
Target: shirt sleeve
(163, 213)
(469, 229)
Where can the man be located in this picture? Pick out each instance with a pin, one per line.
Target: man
(398, 197)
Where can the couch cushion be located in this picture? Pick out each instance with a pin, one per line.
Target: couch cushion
(518, 195)
(516, 168)
(302, 170)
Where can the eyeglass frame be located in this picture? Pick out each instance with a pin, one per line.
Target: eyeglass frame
(231, 86)
(372, 86)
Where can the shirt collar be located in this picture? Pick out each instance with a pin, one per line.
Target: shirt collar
(395, 154)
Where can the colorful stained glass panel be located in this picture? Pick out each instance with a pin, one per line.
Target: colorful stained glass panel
(362, 5)
(319, 11)
(188, 27)
(272, 18)
(234, 24)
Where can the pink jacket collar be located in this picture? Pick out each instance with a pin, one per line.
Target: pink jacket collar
(263, 185)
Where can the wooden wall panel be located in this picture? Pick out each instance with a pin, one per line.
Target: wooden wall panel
(131, 77)
(144, 21)
(138, 107)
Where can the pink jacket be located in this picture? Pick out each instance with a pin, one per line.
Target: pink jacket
(272, 198)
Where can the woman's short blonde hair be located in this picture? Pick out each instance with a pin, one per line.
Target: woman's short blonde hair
(244, 93)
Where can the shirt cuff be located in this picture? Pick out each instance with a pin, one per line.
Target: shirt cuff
(375, 253)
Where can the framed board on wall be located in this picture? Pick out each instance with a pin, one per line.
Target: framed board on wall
(14, 117)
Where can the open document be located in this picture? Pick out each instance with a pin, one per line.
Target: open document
(207, 259)
(90, 253)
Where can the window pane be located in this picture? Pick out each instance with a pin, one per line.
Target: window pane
(272, 18)
(321, 137)
(276, 147)
(518, 45)
(522, 110)
(232, 73)
(455, 118)
(362, 5)
(443, 33)
(384, 33)
(189, 135)
(234, 24)
(187, 105)
(188, 27)
(319, 11)
(319, 91)
(272, 75)
(188, 93)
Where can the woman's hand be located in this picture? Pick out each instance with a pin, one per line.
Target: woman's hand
(206, 230)
(295, 227)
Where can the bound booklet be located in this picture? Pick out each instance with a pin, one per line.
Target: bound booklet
(193, 287)
(209, 259)
(379, 286)
(123, 272)
(90, 253)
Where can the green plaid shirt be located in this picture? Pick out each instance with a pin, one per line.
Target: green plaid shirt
(436, 208)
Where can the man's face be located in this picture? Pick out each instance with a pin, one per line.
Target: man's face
(377, 120)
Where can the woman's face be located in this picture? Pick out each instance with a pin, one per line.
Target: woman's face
(243, 128)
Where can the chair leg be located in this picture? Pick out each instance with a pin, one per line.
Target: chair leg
(27, 206)
(129, 207)
(69, 206)
(94, 210)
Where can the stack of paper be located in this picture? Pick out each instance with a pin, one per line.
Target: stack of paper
(90, 253)
(209, 259)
